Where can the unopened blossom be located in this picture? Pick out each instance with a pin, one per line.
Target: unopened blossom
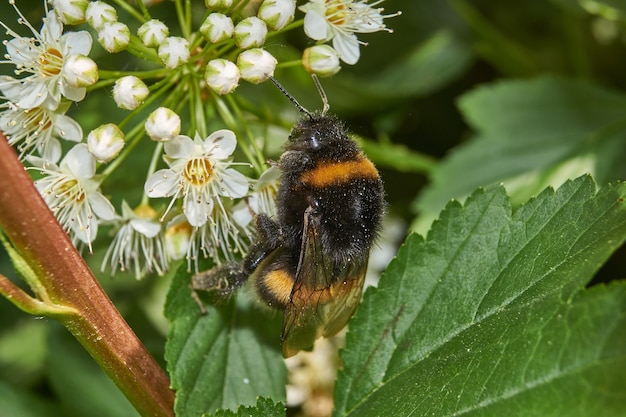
(38, 129)
(339, 20)
(217, 27)
(163, 124)
(99, 13)
(199, 172)
(39, 60)
(222, 76)
(153, 33)
(80, 71)
(139, 244)
(277, 13)
(129, 92)
(251, 32)
(178, 237)
(256, 65)
(174, 51)
(71, 12)
(322, 60)
(114, 36)
(71, 191)
(218, 4)
(105, 142)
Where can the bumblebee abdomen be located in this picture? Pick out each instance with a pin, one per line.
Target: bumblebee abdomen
(333, 173)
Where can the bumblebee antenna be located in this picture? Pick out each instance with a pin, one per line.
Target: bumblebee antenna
(290, 97)
(322, 93)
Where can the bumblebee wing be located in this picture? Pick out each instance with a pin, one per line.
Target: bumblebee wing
(324, 296)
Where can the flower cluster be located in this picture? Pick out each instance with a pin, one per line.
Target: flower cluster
(193, 199)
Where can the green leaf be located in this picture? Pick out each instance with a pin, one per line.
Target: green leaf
(16, 402)
(530, 135)
(223, 359)
(263, 408)
(488, 315)
(397, 157)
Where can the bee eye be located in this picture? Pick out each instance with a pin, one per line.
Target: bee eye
(314, 141)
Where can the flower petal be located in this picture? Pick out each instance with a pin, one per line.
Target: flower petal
(316, 26)
(68, 128)
(180, 147)
(77, 43)
(348, 47)
(146, 227)
(101, 206)
(234, 184)
(197, 210)
(220, 144)
(79, 162)
(163, 183)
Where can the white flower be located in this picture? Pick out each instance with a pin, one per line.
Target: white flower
(129, 92)
(339, 20)
(217, 27)
(250, 33)
(114, 36)
(99, 13)
(277, 13)
(38, 129)
(72, 193)
(199, 172)
(71, 12)
(80, 71)
(256, 65)
(42, 57)
(222, 76)
(138, 245)
(163, 124)
(219, 238)
(174, 51)
(261, 200)
(322, 60)
(105, 142)
(153, 33)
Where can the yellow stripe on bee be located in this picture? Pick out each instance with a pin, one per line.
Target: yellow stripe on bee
(279, 282)
(332, 173)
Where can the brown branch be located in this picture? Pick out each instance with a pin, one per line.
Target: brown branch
(40, 240)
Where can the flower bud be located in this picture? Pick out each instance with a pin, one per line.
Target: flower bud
(174, 51)
(222, 76)
(153, 33)
(177, 237)
(277, 13)
(217, 27)
(322, 60)
(129, 92)
(98, 13)
(79, 71)
(163, 124)
(70, 12)
(256, 65)
(105, 142)
(250, 33)
(114, 36)
(218, 4)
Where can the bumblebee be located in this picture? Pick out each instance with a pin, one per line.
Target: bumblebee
(311, 260)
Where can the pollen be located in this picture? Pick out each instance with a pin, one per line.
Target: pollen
(198, 171)
(51, 62)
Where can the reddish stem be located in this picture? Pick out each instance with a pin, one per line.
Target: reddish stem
(40, 240)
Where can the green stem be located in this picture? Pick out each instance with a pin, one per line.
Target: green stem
(39, 239)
